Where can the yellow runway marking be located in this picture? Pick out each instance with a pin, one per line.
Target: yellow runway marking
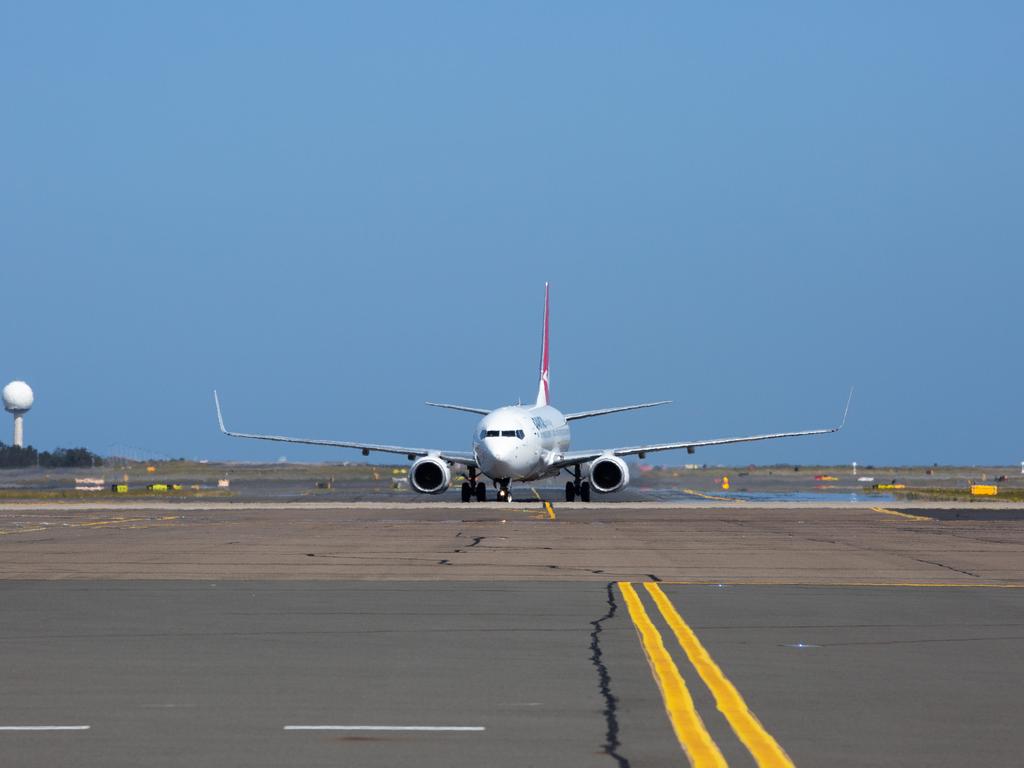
(885, 511)
(692, 492)
(547, 505)
(761, 745)
(22, 530)
(686, 722)
(115, 521)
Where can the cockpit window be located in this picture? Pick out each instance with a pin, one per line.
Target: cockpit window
(502, 433)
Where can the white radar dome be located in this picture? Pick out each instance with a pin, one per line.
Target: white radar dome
(18, 396)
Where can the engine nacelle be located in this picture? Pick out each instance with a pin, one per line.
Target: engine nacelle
(430, 474)
(608, 474)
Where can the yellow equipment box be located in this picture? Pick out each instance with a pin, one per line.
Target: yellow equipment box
(157, 487)
(984, 490)
(119, 488)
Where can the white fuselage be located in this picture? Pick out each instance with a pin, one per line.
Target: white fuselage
(520, 442)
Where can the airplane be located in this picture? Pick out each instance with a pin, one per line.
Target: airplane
(523, 443)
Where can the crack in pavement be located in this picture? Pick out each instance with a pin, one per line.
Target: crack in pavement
(476, 541)
(947, 567)
(604, 680)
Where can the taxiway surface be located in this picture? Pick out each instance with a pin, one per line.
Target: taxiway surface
(231, 634)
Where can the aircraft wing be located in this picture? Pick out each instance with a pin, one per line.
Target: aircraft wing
(456, 457)
(578, 457)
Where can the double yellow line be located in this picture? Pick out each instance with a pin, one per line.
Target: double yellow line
(689, 728)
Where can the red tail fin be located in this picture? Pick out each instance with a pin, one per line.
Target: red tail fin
(544, 389)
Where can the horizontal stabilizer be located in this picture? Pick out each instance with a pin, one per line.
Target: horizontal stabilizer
(605, 411)
(466, 408)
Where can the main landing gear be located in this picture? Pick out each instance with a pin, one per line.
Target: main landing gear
(473, 489)
(577, 487)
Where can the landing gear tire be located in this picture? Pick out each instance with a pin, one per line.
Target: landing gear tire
(481, 492)
(570, 491)
(584, 491)
(467, 492)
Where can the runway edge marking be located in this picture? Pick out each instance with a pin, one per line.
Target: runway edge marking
(763, 747)
(689, 728)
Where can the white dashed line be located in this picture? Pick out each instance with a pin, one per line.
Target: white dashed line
(384, 728)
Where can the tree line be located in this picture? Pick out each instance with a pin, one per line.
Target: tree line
(13, 457)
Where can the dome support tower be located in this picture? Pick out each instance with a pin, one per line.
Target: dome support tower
(18, 399)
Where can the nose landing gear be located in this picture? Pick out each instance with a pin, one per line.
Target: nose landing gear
(504, 494)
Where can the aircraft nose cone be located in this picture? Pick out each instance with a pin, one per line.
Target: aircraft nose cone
(496, 459)
(500, 469)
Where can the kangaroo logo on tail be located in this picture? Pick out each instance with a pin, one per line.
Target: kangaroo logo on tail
(544, 389)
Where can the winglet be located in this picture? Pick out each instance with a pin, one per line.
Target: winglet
(220, 418)
(846, 410)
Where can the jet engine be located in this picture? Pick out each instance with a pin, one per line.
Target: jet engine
(608, 474)
(430, 474)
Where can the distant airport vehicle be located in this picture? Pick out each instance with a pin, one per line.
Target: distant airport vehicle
(522, 443)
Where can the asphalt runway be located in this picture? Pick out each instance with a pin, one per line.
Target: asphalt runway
(605, 635)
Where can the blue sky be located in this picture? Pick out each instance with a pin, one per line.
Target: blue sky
(333, 212)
